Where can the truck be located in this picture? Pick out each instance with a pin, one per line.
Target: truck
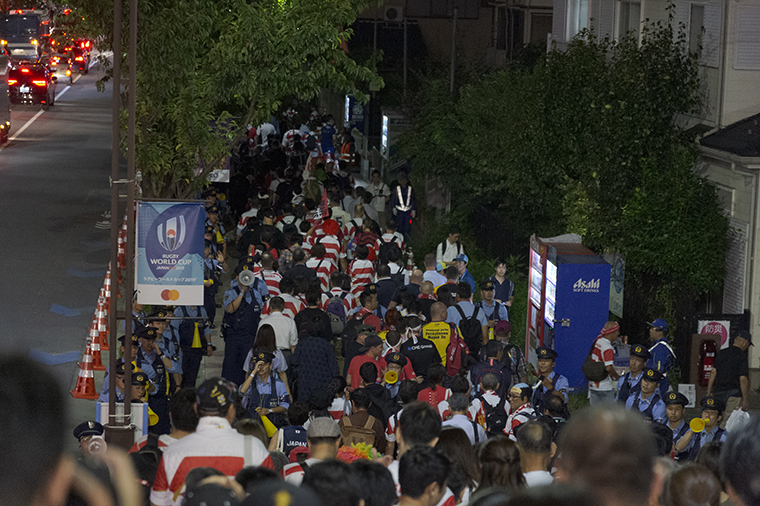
(23, 31)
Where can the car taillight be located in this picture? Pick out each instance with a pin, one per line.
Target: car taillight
(25, 71)
(79, 58)
(11, 82)
(39, 82)
(88, 44)
(68, 72)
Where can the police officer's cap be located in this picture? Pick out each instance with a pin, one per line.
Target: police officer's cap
(486, 285)
(396, 358)
(120, 367)
(159, 314)
(245, 264)
(212, 209)
(134, 338)
(652, 374)
(370, 289)
(544, 352)
(215, 395)
(209, 191)
(139, 378)
(640, 351)
(711, 402)
(263, 356)
(88, 428)
(208, 230)
(147, 333)
(676, 398)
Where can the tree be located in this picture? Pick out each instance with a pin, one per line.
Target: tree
(587, 141)
(207, 68)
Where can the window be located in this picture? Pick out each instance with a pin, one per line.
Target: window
(577, 17)
(696, 24)
(630, 18)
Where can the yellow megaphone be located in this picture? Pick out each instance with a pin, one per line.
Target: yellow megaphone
(152, 417)
(698, 424)
(269, 426)
(391, 377)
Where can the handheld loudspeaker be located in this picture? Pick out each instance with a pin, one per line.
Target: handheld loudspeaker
(246, 278)
(391, 377)
(698, 424)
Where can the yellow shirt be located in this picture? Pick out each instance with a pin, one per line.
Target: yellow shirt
(440, 334)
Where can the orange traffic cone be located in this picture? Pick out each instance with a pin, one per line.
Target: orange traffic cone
(102, 324)
(97, 360)
(85, 387)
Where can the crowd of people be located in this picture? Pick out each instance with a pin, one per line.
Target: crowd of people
(352, 377)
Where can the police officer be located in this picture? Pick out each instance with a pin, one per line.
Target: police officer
(494, 310)
(663, 356)
(675, 404)
(712, 414)
(168, 341)
(212, 271)
(153, 360)
(242, 305)
(629, 384)
(395, 363)
(648, 401)
(104, 391)
(84, 432)
(549, 382)
(263, 392)
(194, 340)
(212, 219)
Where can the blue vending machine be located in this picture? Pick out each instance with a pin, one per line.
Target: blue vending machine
(573, 306)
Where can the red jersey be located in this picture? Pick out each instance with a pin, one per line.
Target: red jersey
(362, 273)
(434, 397)
(323, 267)
(357, 362)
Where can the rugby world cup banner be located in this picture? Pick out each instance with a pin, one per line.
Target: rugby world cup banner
(169, 253)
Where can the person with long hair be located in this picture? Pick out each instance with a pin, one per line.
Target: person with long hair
(265, 341)
(500, 465)
(454, 443)
(435, 393)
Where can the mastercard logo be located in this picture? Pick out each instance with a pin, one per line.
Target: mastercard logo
(170, 295)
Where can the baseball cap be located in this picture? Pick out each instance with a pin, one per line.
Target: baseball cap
(462, 258)
(502, 327)
(744, 334)
(659, 323)
(323, 427)
(439, 266)
(215, 395)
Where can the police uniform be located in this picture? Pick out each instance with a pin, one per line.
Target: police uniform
(663, 356)
(88, 429)
(240, 326)
(193, 340)
(652, 408)
(497, 311)
(559, 383)
(672, 399)
(268, 394)
(399, 359)
(716, 434)
(154, 367)
(212, 271)
(105, 389)
(169, 344)
(630, 385)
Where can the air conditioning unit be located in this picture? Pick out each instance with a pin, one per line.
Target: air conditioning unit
(393, 13)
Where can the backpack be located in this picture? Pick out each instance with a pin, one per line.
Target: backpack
(384, 253)
(337, 313)
(353, 435)
(398, 278)
(593, 371)
(349, 330)
(146, 462)
(471, 329)
(456, 353)
(496, 417)
(445, 246)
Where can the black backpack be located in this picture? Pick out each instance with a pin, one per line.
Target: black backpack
(496, 417)
(471, 330)
(384, 252)
(146, 463)
(349, 329)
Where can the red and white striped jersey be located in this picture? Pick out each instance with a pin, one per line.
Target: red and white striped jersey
(348, 301)
(333, 248)
(323, 267)
(213, 444)
(164, 440)
(353, 226)
(293, 473)
(362, 273)
(293, 305)
(272, 279)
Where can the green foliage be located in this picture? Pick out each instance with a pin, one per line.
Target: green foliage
(587, 141)
(206, 68)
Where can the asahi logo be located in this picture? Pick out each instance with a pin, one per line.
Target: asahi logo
(591, 285)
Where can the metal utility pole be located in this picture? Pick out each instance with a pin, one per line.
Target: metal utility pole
(454, 49)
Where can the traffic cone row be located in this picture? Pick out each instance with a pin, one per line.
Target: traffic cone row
(102, 323)
(121, 243)
(94, 340)
(85, 387)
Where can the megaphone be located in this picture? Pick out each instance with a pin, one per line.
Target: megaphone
(152, 417)
(698, 424)
(391, 377)
(246, 277)
(268, 426)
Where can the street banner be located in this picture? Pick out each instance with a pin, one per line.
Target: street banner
(169, 253)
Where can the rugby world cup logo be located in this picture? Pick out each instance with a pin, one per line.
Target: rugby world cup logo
(171, 234)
